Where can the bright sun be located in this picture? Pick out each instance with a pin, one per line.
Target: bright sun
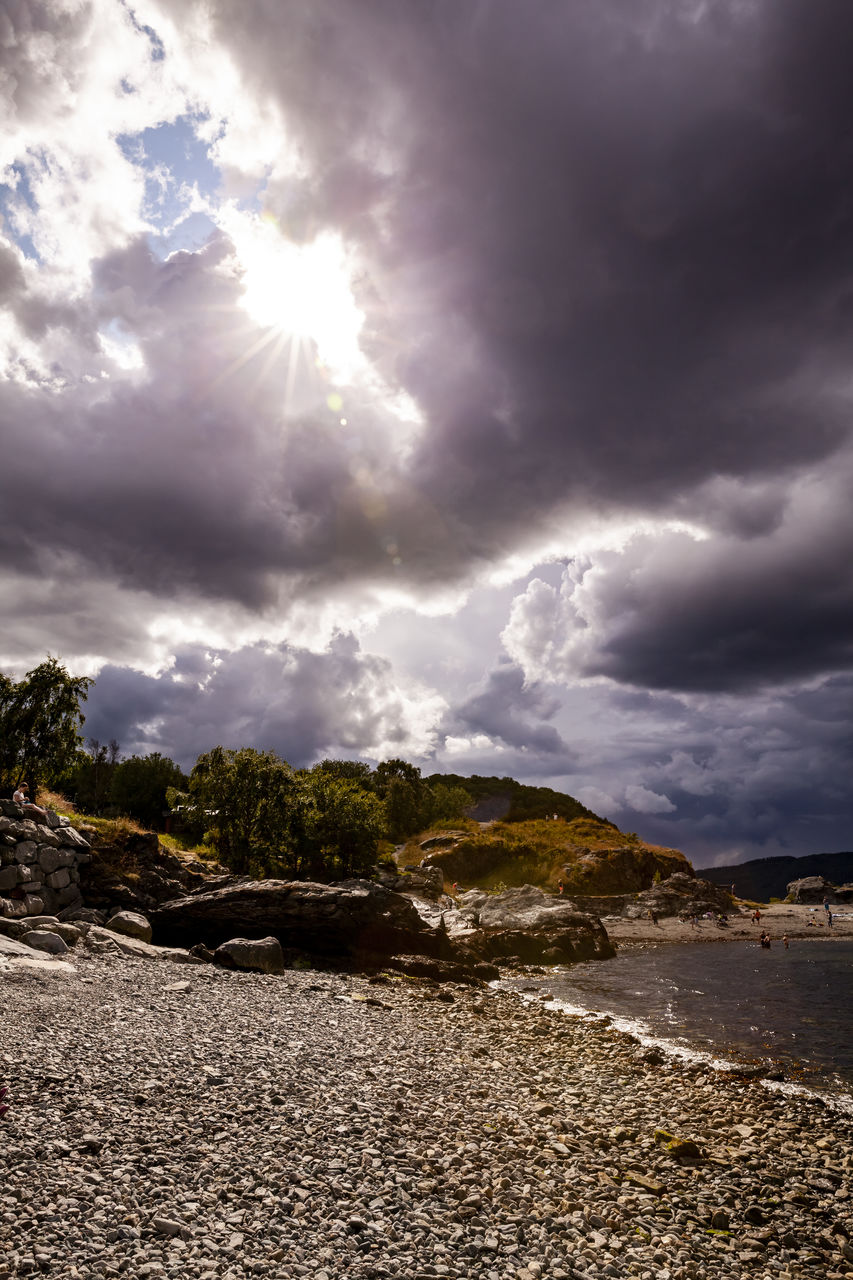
(302, 291)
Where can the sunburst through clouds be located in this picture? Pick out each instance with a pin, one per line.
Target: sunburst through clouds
(300, 294)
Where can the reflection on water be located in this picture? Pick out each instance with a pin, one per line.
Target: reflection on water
(793, 1006)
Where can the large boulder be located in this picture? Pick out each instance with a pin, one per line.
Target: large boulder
(532, 926)
(681, 895)
(263, 955)
(132, 924)
(810, 889)
(352, 918)
(45, 940)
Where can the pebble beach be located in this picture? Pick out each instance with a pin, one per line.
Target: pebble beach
(179, 1121)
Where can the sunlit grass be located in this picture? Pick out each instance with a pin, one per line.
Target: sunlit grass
(500, 855)
(116, 830)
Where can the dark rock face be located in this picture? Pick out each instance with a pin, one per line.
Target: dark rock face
(153, 875)
(680, 895)
(627, 870)
(813, 889)
(808, 889)
(529, 925)
(353, 918)
(417, 882)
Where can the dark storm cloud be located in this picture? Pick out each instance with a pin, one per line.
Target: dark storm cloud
(303, 705)
(671, 612)
(738, 777)
(761, 778)
(605, 238)
(602, 248)
(514, 714)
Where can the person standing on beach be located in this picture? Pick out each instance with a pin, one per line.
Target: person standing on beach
(785, 940)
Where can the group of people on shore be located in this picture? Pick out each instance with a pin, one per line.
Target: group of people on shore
(719, 918)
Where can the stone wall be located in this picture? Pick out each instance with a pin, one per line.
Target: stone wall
(39, 863)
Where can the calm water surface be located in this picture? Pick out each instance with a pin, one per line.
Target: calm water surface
(732, 1000)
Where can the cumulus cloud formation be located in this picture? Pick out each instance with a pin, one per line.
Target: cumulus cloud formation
(673, 611)
(345, 309)
(304, 705)
(512, 713)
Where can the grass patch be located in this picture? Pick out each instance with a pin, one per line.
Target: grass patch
(116, 830)
(540, 851)
(181, 844)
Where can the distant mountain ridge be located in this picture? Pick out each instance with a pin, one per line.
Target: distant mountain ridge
(764, 878)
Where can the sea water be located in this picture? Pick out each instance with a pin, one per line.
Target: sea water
(791, 1008)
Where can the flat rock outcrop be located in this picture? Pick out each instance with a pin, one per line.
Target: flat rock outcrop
(337, 921)
(531, 926)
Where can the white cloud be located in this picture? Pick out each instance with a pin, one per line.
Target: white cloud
(461, 746)
(599, 801)
(641, 800)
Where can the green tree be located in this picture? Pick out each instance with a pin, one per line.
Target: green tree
(406, 797)
(246, 800)
(40, 721)
(347, 770)
(139, 784)
(340, 826)
(447, 804)
(87, 780)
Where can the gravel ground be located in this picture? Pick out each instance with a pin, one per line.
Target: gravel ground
(193, 1122)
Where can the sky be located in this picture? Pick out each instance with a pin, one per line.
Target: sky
(462, 380)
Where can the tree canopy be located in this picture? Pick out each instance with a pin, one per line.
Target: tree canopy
(40, 722)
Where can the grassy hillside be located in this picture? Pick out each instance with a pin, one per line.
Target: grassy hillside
(540, 852)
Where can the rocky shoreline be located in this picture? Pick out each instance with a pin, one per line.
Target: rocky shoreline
(175, 1121)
